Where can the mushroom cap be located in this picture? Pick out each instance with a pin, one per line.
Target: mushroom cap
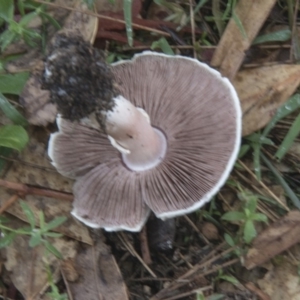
(199, 112)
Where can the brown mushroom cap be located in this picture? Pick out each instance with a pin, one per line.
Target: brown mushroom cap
(198, 111)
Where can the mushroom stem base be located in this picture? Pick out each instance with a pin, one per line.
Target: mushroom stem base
(132, 160)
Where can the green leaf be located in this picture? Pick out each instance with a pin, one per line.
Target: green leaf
(52, 234)
(13, 136)
(42, 221)
(13, 83)
(249, 231)
(251, 203)
(278, 36)
(55, 223)
(6, 10)
(36, 239)
(260, 217)
(27, 18)
(243, 150)
(21, 7)
(11, 112)
(289, 107)
(281, 180)
(289, 139)
(51, 20)
(162, 44)
(6, 38)
(127, 6)
(29, 213)
(233, 216)
(229, 240)
(230, 279)
(52, 249)
(7, 239)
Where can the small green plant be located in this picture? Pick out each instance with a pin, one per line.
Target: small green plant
(54, 294)
(223, 277)
(20, 30)
(246, 217)
(38, 236)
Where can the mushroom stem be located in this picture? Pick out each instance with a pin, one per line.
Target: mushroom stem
(142, 146)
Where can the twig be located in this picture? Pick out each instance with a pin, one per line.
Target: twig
(202, 237)
(8, 203)
(134, 25)
(29, 190)
(263, 185)
(129, 247)
(188, 275)
(144, 246)
(180, 296)
(251, 287)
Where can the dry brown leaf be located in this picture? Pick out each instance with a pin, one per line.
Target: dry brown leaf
(281, 282)
(27, 265)
(262, 91)
(99, 275)
(230, 52)
(33, 168)
(39, 111)
(36, 100)
(277, 238)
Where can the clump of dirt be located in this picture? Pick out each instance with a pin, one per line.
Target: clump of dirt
(78, 78)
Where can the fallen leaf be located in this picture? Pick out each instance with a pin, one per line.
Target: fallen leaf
(281, 282)
(27, 265)
(277, 238)
(38, 109)
(99, 275)
(33, 168)
(263, 90)
(247, 19)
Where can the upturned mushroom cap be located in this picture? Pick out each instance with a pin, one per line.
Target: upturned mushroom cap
(199, 113)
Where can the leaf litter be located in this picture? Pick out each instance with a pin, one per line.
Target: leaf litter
(194, 266)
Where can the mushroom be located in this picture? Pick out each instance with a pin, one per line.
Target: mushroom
(170, 140)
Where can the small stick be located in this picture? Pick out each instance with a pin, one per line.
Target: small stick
(202, 237)
(263, 185)
(9, 203)
(145, 247)
(261, 295)
(180, 296)
(29, 190)
(129, 247)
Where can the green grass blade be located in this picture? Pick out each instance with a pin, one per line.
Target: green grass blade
(239, 24)
(290, 106)
(127, 5)
(199, 5)
(29, 213)
(6, 10)
(283, 183)
(278, 36)
(289, 139)
(163, 44)
(10, 111)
